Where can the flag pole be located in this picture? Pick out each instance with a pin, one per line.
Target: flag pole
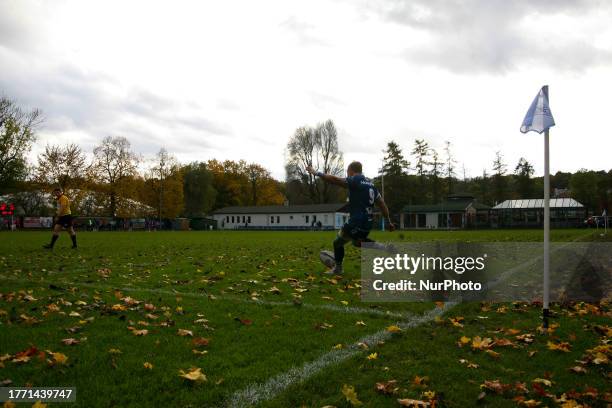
(545, 302)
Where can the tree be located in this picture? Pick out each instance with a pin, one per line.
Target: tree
(317, 147)
(264, 190)
(395, 173)
(450, 166)
(62, 167)
(435, 176)
(523, 172)
(421, 154)
(17, 133)
(499, 182)
(198, 191)
(331, 157)
(113, 165)
(165, 183)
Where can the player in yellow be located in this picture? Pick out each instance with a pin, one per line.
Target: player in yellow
(62, 220)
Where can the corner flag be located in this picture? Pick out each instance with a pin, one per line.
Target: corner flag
(539, 117)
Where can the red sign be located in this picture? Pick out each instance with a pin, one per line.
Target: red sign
(7, 209)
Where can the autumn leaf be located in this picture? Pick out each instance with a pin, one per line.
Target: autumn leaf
(417, 380)
(394, 329)
(504, 343)
(563, 346)
(389, 387)
(142, 332)
(59, 358)
(360, 323)
(463, 341)
(578, 370)
(407, 402)
(200, 342)
(529, 403)
(148, 365)
(543, 381)
(481, 343)
(274, 290)
(39, 404)
(372, 356)
(456, 321)
(351, 396)
(183, 332)
(244, 322)
(194, 374)
(114, 351)
(495, 385)
(70, 342)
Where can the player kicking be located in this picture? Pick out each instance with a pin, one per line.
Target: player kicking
(362, 197)
(63, 219)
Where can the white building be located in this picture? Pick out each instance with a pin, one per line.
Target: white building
(325, 216)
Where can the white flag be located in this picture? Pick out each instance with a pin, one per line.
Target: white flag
(538, 117)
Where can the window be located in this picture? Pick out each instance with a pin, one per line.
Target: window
(243, 218)
(307, 217)
(249, 219)
(227, 218)
(272, 219)
(278, 219)
(291, 217)
(314, 218)
(232, 219)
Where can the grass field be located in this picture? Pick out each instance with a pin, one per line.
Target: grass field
(123, 316)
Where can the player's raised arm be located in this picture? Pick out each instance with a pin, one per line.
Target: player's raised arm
(327, 177)
(385, 210)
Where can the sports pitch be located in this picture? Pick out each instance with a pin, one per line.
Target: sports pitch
(129, 317)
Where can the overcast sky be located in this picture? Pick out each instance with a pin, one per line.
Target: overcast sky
(233, 79)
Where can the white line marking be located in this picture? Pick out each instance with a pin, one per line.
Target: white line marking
(255, 393)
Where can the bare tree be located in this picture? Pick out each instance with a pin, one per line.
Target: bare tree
(317, 147)
(113, 163)
(331, 157)
(17, 133)
(450, 166)
(165, 164)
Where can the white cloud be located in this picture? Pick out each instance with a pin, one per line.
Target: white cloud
(232, 80)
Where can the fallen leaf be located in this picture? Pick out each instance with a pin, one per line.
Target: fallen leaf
(373, 356)
(194, 374)
(183, 332)
(148, 365)
(389, 387)
(351, 396)
(479, 343)
(394, 329)
(407, 402)
(70, 341)
(200, 341)
(563, 346)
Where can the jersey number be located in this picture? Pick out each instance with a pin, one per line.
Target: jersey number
(372, 196)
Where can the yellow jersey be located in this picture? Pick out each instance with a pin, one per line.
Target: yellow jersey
(63, 206)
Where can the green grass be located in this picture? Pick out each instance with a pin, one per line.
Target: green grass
(210, 282)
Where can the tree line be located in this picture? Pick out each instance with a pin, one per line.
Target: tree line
(117, 181)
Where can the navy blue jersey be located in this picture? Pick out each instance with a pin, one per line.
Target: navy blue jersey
(362, 196)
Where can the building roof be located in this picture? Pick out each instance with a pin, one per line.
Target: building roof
(452, 205)
(538, 203)
(283, 209)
